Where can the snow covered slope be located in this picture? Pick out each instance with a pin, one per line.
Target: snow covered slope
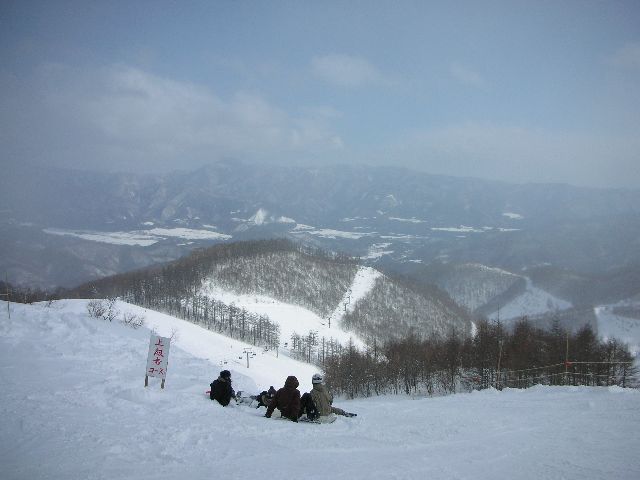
(533, 301)
(623, 328)
(73, 406)
(296, 319)
(473, 285)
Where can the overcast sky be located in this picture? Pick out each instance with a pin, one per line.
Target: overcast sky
(531, 91)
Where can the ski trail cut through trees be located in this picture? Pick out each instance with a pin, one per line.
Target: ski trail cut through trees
(362, 284)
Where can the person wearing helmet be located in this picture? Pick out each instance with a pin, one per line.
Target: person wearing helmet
(287, 400)
(221, 389)
(323, 400)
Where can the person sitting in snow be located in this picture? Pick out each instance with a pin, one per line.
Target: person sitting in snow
(323, 400)
(307, 406)
(287, 400)
(265, 397)
(221, 389)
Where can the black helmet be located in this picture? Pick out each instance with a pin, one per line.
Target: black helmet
(225, 374)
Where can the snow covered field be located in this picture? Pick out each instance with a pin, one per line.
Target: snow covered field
(73, 406)
(143, 238)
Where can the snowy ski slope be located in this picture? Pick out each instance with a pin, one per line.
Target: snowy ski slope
(73, 406)
(296, 319)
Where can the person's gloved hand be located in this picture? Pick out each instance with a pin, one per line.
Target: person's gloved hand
(267, 415)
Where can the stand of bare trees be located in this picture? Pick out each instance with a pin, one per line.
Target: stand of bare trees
(494, 357)
(217, 316)
(313, 349)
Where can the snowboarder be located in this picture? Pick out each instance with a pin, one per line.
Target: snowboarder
(221, 389)
(323, 400)
(287, 400)
(265, 397)
(307, 406)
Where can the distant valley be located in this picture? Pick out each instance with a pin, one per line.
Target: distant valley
(484, 243)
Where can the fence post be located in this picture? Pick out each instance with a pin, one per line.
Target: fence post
(566, 362)
(498, 372)
(6, 282)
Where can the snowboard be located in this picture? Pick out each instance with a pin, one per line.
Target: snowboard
(324, 419)
(240, 399)
(304, 419)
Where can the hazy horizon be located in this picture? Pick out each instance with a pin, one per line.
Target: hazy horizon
(523, 92)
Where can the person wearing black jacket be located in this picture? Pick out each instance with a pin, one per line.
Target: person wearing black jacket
(265, 397)
(221, 389)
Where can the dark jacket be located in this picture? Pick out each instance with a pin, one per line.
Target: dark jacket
(287, 400)
(265, 397)
(221, 391)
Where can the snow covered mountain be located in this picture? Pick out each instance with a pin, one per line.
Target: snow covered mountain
(270, 277)
(478, 288)
(62, 227)
(74, 406)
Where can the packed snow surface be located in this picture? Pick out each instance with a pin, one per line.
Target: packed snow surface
(73, 406)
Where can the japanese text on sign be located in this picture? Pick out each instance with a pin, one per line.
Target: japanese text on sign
(158, 356)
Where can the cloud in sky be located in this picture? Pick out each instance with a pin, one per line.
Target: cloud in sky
(127, 117)
(348, 71)
(507, 88)
(514, 153)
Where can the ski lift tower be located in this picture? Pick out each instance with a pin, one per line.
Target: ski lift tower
(247, 352)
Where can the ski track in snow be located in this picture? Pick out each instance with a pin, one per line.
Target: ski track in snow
(74, 406)
(295, 319)
(362, 284)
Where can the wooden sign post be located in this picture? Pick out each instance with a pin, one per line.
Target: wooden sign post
(158, 359)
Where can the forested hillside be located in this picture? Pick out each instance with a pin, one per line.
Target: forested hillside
(394, 309)
(286, 272)
(474, 286)
(617, 284)
(315, 282)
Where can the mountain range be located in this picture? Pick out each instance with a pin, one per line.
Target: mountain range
(64, 227)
